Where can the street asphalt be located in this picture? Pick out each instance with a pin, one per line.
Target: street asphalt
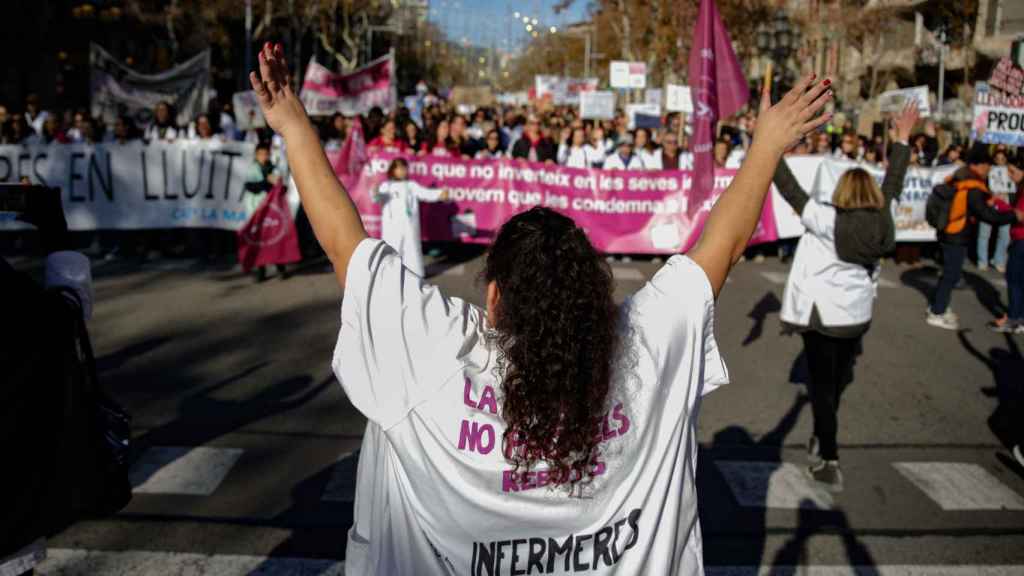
(246, 445)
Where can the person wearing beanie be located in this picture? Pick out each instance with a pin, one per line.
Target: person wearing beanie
(972, 202)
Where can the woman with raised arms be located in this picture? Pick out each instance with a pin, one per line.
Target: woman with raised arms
(548, 431)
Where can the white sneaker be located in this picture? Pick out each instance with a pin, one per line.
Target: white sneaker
(945, 321)
(1000, 269)
(982, 267)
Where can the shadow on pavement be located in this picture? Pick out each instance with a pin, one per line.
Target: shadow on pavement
(925, 278)
(1007, 367)
(811, 521)
(202, 417)
(769, 304)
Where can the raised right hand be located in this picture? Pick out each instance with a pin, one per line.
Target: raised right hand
(281, 107)
(782, 125)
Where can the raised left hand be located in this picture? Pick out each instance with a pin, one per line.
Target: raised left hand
(281, 107)
(904, 122)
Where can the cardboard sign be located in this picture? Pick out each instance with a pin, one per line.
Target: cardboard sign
(597, 105)
(628, 74)
(893, 101)
(678, 99)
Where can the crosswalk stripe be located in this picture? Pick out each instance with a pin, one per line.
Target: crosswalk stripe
(775, 277)
(342, 485)
(760, 484)
(69, 562)
(960, 486)
(194, 471)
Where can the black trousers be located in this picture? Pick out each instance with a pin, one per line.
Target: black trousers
(830, 363)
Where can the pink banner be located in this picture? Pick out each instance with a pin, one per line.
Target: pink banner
(625, 212)
(325, 92)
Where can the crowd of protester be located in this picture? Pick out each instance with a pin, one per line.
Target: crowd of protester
(552, 134)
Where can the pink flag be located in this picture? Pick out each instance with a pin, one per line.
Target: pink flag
(352, 156)
(718, 90)
(269, 237)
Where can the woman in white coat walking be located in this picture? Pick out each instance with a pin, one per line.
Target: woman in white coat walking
(400, 200)
(832, 285)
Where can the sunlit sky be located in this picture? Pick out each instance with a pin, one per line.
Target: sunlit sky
(492, 22)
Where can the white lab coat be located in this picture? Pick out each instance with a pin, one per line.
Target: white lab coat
(616, 162)
(843, 293)
(400, 218)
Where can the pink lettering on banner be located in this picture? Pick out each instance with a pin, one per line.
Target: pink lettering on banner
(630, 211)
(621, 425)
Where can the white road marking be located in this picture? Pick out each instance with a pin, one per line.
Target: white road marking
(459, 270)
(960, 486)
(65, 562)
(759, 484)
(775, 277)
(883, 570)
(194, 471)
(342, 485)
(622, 273)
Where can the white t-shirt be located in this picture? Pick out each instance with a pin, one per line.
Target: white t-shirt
(435, 494)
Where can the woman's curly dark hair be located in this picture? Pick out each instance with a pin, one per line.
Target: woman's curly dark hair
(557, 338)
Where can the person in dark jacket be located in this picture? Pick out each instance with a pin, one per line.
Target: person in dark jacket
(971, 203)
(533, 146)
(831, 287)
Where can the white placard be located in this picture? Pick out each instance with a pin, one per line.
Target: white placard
(653, 96)
(247, 111)
(645, 109)
(628, 74)
(597, 105)
(678, 98)
(894, 100)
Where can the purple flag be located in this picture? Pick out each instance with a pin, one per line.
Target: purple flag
(718, 89)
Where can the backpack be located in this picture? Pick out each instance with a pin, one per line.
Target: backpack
(939, 205)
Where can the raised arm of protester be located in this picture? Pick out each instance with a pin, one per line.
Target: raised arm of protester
(335, 220)
(735, 215)
(899, 159)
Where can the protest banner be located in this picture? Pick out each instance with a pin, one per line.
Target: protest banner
(197, 185)
(622, 211)
(133, 186)
(117, 90)
(678, 99)
(893, 101)
(908, 211)
(628, 74)
(269, 235)
(247, 111)
(325, 92)
(599, 105)
(995, 124)
(562, 90)
(653, 96)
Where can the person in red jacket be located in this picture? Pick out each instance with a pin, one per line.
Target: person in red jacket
(388, 140)
(1013, 321)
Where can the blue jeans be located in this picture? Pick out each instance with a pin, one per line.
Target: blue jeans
(1002, 242)
(1015, 281)
(953, 256)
